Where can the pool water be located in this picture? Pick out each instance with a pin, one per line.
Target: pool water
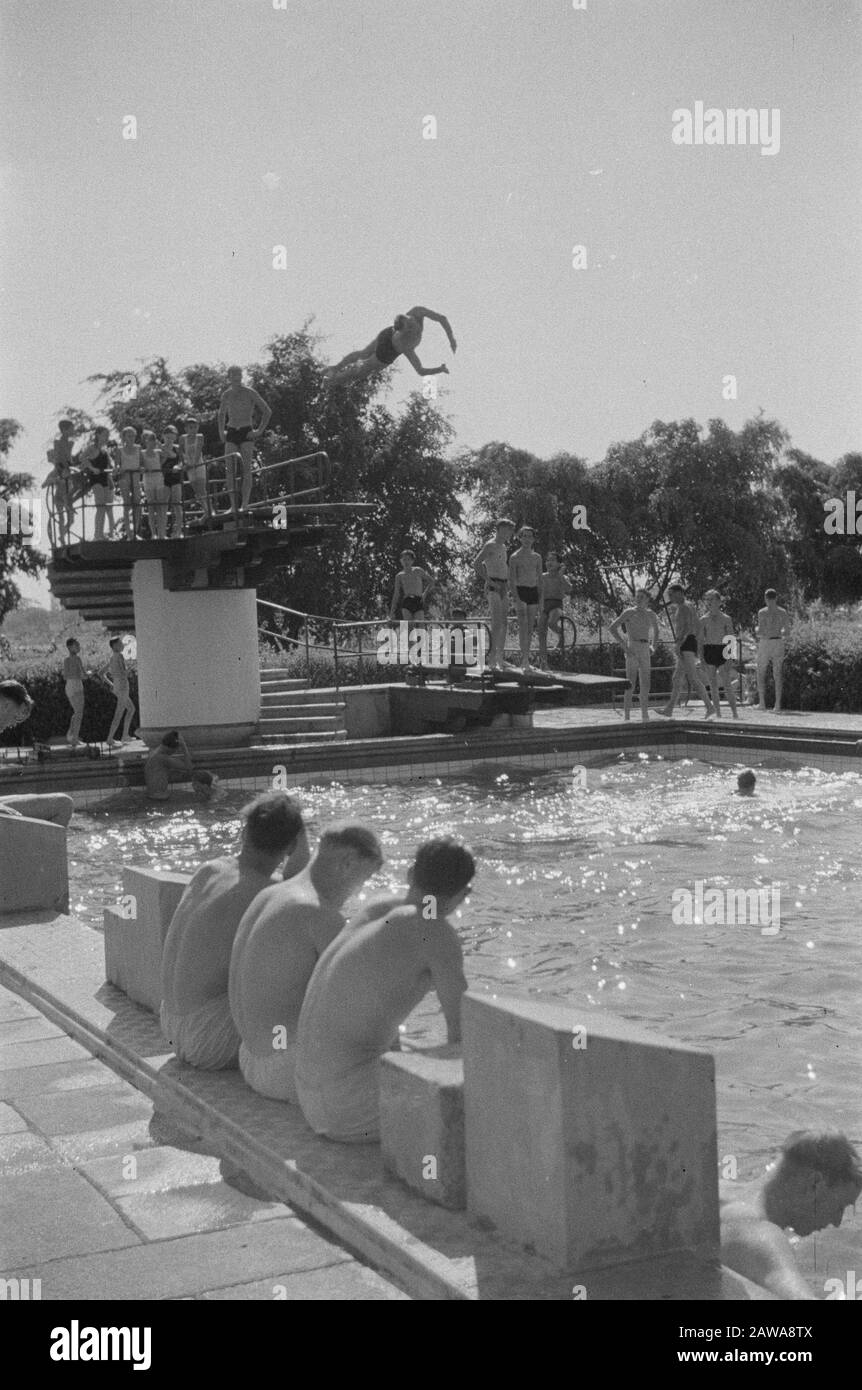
(573, 902)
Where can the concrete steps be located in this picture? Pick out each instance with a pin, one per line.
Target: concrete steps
(291, 713)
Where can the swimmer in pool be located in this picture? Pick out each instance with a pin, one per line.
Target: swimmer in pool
(745, 783)
(715, 629)
(525, 586)
(686, 629)
(401, 339)
(412, 587)
(808, 1189)
(195, 1014)
(639, 641)
(368, 982)
(279, 941)
(172, 762)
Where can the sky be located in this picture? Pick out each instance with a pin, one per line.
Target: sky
(303, 126)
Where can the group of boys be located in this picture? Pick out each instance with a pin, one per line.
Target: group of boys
(701, 640)
(537, 593)
(260, 969)
(153, 474)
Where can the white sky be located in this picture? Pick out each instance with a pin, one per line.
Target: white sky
(702, 261)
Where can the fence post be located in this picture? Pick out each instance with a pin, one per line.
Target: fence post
(335, 654)
(361, 667)
(307, 653)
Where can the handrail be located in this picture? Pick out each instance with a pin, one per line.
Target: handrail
(70, 499)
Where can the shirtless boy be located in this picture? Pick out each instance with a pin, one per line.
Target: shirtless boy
(773, 625)
(277, 947)
(715, 627)
(61, 457)
(237, 432)
(412, 587)
(816, 1177)
(525, 584)
(639, 641)
(368, 982)
(401, 339)
(118, 680)
(191, 447)
(686, 632)
(195, 1014)
(555, 590)
(492, 566)
(172, 762)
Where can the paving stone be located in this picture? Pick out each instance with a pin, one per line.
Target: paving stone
(189, 1210)
(24, 1153)
(52, 1213)
(156, 1170)
(28, 1029)
(133, 1138)
(85, 1111)
(56, 1077)
(14, 1055)
(175, 1268)
(12, 1006)
(10, 1121)
(351, 1282)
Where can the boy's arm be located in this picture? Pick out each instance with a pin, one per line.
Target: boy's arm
(763, 1254)
(432, 581)
(420, 312)
(222, 416)
(446, 962)
(615, 628)
(396, 594)
(479, 562)
(567, 585)
(785, 623)
(265, 412)
(656, 635)
(423, 371)
(512, 584)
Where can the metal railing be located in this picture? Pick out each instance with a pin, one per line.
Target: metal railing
(75, 500)
(346, 640)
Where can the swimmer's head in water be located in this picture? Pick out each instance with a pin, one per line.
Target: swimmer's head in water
(746, 782)
(444, 868)
(816, 1179)
(272, 823)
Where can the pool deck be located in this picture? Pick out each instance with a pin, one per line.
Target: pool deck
(560, 738)
(55, 965)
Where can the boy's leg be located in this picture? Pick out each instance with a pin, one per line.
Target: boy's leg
(714, 688)
(498, 616)
(117, 716)
(543, 637)
(778, 677)
(690, 666)
(523, 632)
(675, 686)
(631, 677)
(645, 680)
(762, 668)
(77, 703)
(532, 615)
(725, 675)
(247, 451)
(230, 462)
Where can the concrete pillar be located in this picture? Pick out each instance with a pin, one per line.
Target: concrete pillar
(198, 664)
(587, 1137)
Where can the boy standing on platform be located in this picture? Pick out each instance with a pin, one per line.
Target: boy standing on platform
(525, 583)
(639, 642)
(492, 566)
(556, 588)
(118, 679)
(412, 587)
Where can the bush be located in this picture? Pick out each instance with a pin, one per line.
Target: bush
(823, 667)
(52, 712)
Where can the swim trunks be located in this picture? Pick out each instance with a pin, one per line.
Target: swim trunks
(347, 1107)
(551, 604)
(713, 654)
(527, 594)
(497, 586)
(770, 649)
(205, 1037)
(270, 1076)
(98, 469)
(414, 603)
(172, 470)
(237, 436)
(690, 644)
(384, 349)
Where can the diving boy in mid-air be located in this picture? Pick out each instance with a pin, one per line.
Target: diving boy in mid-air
(401, 339)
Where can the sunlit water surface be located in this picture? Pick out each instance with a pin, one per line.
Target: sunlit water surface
(572, 902)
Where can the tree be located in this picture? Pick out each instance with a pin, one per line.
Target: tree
(18, 554)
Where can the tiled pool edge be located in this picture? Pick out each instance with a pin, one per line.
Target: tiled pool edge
(448, 755)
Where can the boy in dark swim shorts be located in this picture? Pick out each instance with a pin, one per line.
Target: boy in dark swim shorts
(686, 627)
(412, 586)
(525, 584)
(716, 628)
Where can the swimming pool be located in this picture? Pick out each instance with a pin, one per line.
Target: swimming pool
(573, 901)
